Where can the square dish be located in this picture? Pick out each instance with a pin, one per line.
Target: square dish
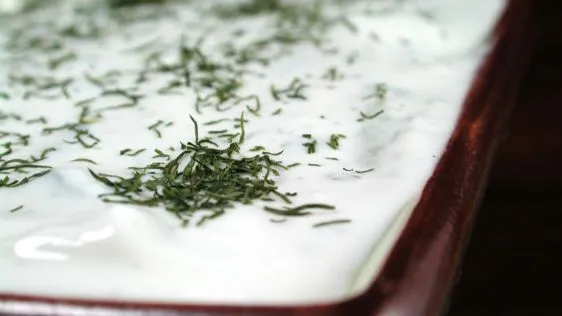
(239, 285)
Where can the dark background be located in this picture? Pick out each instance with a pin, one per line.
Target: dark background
(514, 260)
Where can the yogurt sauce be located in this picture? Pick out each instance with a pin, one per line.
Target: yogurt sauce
(64, 241)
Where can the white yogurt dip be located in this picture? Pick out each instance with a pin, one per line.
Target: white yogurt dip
(58, 238)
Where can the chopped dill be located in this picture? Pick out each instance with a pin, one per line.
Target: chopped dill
(15, 209)
(257, 104)
(131, 152)
(350, 25)
(154, 128)
(359, 171)
(250, 8)
(84, 102)
(329, 223)
(242, 130)
(332, 74)
(369, 117)
(298, 210)
(310, 146)
(58, 61)
(258, 148)
(273, 154)
(160, 154)
(84, 160)
(215, 122)
(295, 90)
(220, 131)
(334, 142)
(41, 120)
(210, 217)
(199, 178)
(364, 171)
(380, 93)
(81, 134)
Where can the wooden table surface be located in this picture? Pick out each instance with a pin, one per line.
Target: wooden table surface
(512, 266)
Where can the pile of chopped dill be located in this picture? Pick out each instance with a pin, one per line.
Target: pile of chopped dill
(201, 177)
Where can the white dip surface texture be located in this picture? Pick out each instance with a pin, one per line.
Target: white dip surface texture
(65, 241)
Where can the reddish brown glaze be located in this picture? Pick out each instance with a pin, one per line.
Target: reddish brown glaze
(518, 228)
(421, 269)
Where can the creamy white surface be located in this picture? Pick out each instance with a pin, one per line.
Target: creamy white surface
(66, 242)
